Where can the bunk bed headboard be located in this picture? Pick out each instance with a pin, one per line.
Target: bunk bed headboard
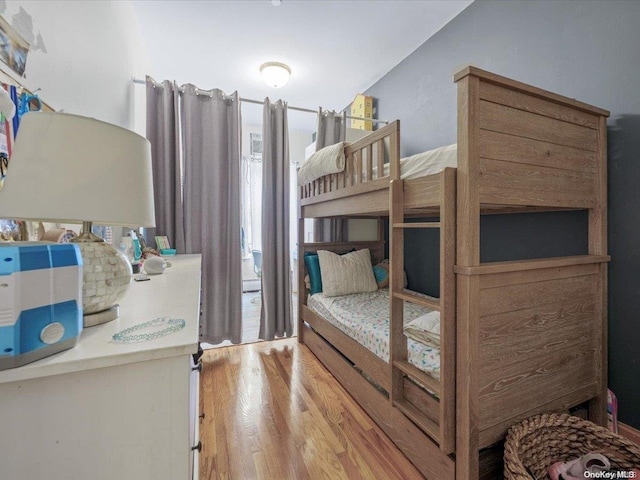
(521, 145)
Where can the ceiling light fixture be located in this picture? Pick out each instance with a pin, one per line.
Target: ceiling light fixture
(275, 74)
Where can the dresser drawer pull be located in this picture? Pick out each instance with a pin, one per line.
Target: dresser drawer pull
(201, 416)
(197, 367)
(197, 447)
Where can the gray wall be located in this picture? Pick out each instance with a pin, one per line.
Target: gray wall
(589, 50)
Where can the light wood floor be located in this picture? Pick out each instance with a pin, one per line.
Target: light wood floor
(272, 411)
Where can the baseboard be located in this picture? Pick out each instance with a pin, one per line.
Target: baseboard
(628, 432)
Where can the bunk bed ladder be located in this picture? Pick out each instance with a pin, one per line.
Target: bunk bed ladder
(440, 424)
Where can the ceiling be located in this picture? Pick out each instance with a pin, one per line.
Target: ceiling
(335, 48)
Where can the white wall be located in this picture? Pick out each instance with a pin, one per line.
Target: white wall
(83, 54)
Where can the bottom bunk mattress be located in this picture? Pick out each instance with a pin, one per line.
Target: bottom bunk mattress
(365, 318)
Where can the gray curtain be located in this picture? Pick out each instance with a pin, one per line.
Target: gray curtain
(275, 316)
(211, 143)
(164, 135)
(332, 128)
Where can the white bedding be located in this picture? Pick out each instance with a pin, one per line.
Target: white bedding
(325, 161)
(415, 166)
(365, 318)
(427, 163)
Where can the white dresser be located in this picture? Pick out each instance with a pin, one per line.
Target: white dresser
(104, 410)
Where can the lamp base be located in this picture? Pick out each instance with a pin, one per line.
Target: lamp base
(93, 319)
(106, 279)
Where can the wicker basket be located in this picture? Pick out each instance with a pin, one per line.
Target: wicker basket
(537, 443)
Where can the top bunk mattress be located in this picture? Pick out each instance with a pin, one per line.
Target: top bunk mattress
(365, 318)
(427, 163)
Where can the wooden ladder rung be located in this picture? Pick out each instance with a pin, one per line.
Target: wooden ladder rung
(417, 225)
(418, 300)
(421, 420)
(419, 376)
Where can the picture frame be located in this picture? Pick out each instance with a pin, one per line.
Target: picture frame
(14, 49)
(162, 242)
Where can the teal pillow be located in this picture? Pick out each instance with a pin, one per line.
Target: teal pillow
(382, 276)
(312, 262)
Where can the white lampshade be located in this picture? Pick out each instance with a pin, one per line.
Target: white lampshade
(69, 169)
(72, 169)
(275, 74)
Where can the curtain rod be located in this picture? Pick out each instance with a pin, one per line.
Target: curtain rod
(299, 109)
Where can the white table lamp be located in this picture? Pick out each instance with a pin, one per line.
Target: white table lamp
(72, 169)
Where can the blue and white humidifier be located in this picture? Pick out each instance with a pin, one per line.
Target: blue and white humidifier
(40, 300)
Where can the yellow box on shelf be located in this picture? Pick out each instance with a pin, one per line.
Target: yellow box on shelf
(362, 106)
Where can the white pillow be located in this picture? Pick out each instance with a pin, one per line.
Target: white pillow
(425, 329)
(346, 274)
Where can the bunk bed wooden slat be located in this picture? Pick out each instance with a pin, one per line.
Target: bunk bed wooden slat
(526, 330)
(357, 156)
(407, 296)
(517, 86)
(417, 417)
(428, 405)
(516, 176)
(558, 374)
(507, 298)
(535, 264)
(369, 163)
(348, 169)
(422, 192)
(417, 225)
(380, 158)
(491, 435)
(512, 98)
(499, 118)
(376, 247)
(521, 184)
(501, 146)
(418, 375)
(511, 278)
(370, 201)
(394, 148)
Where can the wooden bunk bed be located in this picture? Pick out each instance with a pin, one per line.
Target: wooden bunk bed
(516, 338)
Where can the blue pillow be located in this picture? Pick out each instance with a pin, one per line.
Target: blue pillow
(312, 262)
(382, 276)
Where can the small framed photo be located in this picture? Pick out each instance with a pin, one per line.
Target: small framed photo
(162, 242)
